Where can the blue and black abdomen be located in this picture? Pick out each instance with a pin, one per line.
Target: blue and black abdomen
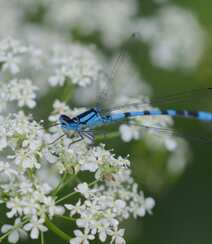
(200, 115)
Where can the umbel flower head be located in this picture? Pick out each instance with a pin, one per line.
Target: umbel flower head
(34, 172)
(102, 204)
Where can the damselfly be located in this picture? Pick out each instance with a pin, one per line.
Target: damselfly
(85, 123)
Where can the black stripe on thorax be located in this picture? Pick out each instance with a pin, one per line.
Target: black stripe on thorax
(65, 118)
(84, 114)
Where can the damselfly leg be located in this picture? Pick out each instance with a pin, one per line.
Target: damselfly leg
(81, 137)
(57, 139)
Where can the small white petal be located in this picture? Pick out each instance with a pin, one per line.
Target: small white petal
(13, 237)
(43, 228)
(149, 203)
(28, 226)
(78, 233)
(34, 233)
(6, 228)
(102, 236)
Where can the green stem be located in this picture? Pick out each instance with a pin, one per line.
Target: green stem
(42, 238)
(67, 196)
(93, 183)
(67, 91)
(61, 183)
(4, 236)
(57, 231)
(65, 183)
(66, 218)
(74, 193)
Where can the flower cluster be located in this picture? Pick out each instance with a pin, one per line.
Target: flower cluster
(175, 38)
(37, 169)
(174, 34)
(87, 17)
(33, 202)
(104, 205)
(68, 62)
(32, 199)
(118, 14)
(75, 63)
(176, 44)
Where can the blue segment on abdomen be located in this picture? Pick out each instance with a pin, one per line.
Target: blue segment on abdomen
(204, 116)
(171, 112)
(155, 112)
(147, 112)
(136, 113)
(117, 116)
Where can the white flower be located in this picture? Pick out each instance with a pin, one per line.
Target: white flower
(102, 227)
(111, 31)
(10, 52)
(120, 204)
(35, 226)
(50, 157)
(91, 166)
(128, 133)
(5, 168)
(175, 37)
(59, 77)
(149, 204)
(27, 160)
(26, 187)
(30, 206)
(75, 209)
(52, 208)
(117, 236)
(3, 138)
(83, 189)
(76, 64)
(81, 238)
(16, 232)
(23, 91)
(15, 206)
(10, 62)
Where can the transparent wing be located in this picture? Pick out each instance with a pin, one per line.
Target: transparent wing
(173, 132)
(106, 90)
(100, 134)
(178, 97)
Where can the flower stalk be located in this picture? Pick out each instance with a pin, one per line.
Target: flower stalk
(57, 230)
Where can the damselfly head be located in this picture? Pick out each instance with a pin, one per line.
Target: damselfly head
(64, 120)
(67, 122)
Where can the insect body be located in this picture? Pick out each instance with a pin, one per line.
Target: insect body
(84, 123)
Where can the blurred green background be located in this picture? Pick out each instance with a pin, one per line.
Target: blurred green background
(183, 212)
